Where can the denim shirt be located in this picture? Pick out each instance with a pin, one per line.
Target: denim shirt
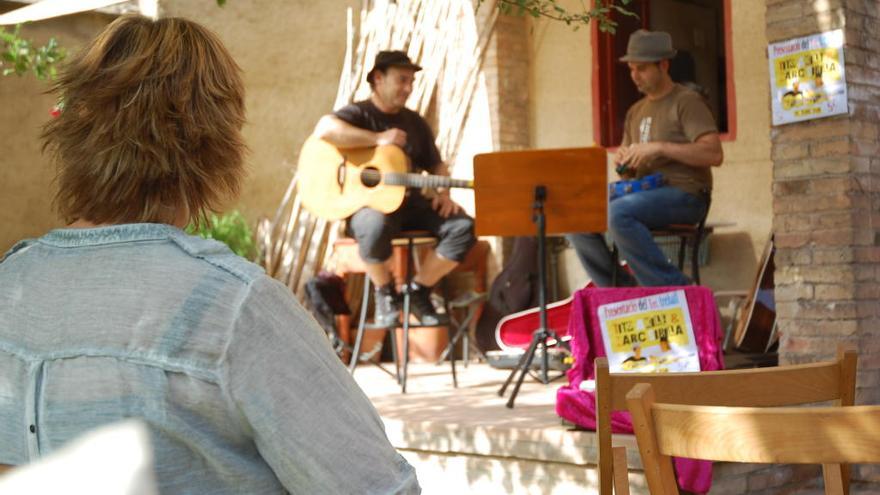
(238, 385)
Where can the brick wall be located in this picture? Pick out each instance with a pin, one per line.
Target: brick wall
(826, 195)
(506, 68)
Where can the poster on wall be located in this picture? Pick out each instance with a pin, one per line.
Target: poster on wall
(651, 334)
(807, 79)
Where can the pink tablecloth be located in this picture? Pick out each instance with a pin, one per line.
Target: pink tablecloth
(579, 406)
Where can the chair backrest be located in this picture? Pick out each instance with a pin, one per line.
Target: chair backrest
(797, 435)
(759, 387)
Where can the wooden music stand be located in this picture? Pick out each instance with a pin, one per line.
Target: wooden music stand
(540, 192)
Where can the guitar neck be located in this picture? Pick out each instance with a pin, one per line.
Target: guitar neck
(420, 181)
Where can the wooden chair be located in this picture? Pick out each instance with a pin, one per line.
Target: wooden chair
(797, 435)
(760, 387)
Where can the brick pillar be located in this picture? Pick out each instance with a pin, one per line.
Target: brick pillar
(506, 68)
(826, 195)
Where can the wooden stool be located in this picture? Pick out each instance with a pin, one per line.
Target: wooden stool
(405, 256)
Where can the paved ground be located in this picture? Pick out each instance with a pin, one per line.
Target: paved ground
(464, 440)
(431, 397)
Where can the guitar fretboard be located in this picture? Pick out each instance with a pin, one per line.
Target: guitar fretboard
(416, 180)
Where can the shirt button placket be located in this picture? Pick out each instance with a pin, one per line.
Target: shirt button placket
(33, 392)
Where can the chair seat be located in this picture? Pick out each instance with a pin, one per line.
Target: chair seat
(681, 229)
(676, 229)
(418, 238)
(347, 260)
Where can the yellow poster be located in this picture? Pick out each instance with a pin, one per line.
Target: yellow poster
(807, 78)
(649, 334)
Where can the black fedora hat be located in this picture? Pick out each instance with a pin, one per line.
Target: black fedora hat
(649, 46)
(391, 58)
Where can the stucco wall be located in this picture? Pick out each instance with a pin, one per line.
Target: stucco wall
(743, 184)
(561, 106)
(291, 53)
(25, 175)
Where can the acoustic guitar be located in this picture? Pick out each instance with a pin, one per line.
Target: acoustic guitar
(757, 319)
(336, 182)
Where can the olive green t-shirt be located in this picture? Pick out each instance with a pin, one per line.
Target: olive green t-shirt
(679, 117)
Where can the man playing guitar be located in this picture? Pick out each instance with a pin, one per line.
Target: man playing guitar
(384, 119)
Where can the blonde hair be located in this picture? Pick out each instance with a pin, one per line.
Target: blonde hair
(151, 125)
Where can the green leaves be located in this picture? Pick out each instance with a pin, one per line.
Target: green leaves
(603, 12)
(230, 228)
(18, 55)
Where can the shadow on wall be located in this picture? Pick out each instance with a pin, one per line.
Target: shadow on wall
(733, 264)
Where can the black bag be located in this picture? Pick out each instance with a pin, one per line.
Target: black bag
(515, 289)
(325, 298)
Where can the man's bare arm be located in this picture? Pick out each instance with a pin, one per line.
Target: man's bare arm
(344, 135)
(706, 151)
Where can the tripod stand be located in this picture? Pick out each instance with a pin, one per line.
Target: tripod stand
(543, 333)
(567, 189)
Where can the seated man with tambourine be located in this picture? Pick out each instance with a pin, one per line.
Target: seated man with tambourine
(672, 132)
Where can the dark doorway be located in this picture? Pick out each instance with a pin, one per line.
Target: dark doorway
(698, 32)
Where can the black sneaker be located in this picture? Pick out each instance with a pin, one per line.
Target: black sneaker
(421, 306)
(387, 309)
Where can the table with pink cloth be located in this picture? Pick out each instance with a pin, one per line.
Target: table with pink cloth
(579, 406)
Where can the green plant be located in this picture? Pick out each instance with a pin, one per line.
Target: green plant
(602, 12)
(230, 228)
(19, 55)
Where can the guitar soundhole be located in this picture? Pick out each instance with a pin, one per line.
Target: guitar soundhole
(371, 177)
(340, 173)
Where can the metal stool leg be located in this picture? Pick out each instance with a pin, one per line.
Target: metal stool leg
(466, 347)
(451, 349)
(406, 302)
(695, 257)
(410, 268)
(393, 338)
(682, 245)
(452, 334)
(362, 323)
(615, 262)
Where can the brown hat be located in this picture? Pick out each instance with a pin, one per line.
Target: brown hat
(393, 58)
(649, 46)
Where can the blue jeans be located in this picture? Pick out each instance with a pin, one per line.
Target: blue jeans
(630, 219)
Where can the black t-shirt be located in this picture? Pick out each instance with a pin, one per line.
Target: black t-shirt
(420, 147)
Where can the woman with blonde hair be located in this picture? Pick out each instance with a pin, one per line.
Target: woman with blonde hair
(122, 314)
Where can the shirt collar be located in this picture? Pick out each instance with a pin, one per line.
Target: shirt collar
(109, 235)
